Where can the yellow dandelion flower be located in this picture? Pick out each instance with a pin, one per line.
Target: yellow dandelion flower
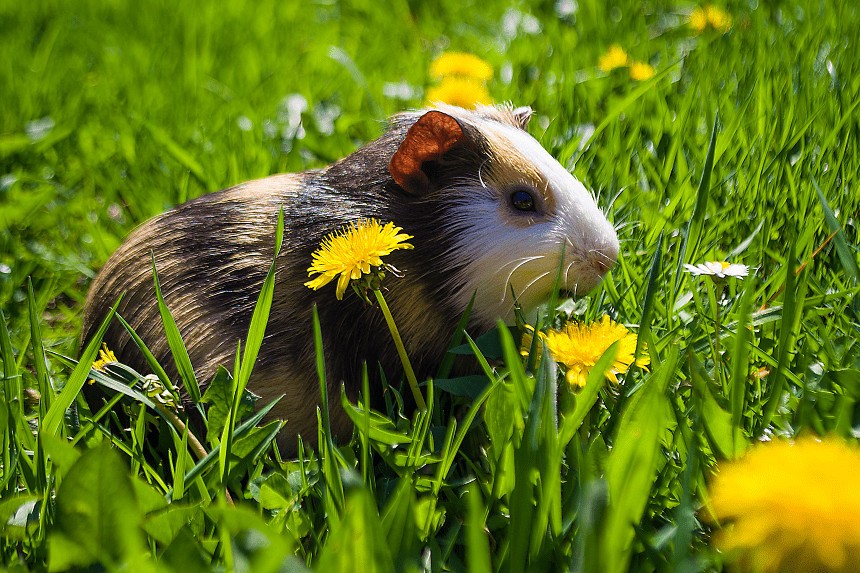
(579, 346)
(698, 19)
(641, 71)
(106, 356)
(704, 16)
(791, 506)
(461, 92)
(615, 57)
(718, 18)
(526, 341)
(460, 64)
(352, 251)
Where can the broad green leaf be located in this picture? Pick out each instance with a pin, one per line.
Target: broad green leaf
(725, 438)
(253, 544)
(97, 516)
(466, 386)
(632, 464)
(398, 526)
(219, 396)
(358, 540)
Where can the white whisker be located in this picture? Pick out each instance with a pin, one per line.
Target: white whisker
(567, 272)
(520, 263)
(601, 254)
(537, 279)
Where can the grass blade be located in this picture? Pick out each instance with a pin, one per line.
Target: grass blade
(786, 328)
(12, 390)
(632, 464)
(693, 235)
(40, 361)
(846, 256)
(260, 317)
(738, 383)
(54, 416)
(648, 301)
(477, 545)
(447, 364)
(174, 340)
(587, 396)
(150, 358)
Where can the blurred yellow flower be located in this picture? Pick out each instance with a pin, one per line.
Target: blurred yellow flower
(641, 71)
(460, 64)
(579, 346)
(791, 506)
(698, 19)
(352, 251)
(459, 91)
(615, 57)
(717, 18)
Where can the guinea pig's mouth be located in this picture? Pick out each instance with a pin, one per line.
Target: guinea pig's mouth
(584, 285)
(564, 293)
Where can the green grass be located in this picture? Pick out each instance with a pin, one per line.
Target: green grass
(744, 146)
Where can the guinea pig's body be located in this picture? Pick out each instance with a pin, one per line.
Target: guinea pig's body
(489, 211)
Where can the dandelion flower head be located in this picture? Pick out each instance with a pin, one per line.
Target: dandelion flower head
(698, 19)
(462, 92)
(106, 356)
(462, 65)
(352, 251)
(641, 71)
(579, 346)
(719, 269)
(791, 506)
(715, 17)
(615, 57)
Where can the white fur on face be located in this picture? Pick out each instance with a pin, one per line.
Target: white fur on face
(526, 256)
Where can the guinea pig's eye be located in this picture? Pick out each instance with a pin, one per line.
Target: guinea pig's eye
(522, 200)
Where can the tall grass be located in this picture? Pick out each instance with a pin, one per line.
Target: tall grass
(744, 146)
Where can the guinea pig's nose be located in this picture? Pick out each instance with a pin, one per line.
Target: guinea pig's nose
(603, 258)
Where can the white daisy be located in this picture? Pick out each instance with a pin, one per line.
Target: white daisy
(719, 269)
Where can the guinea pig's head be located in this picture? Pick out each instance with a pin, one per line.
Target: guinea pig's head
(500, 214)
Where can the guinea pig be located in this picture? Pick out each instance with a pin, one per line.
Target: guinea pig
(490, 212)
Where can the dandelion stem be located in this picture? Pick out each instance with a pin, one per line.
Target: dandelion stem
(193, 443)
(401, 351)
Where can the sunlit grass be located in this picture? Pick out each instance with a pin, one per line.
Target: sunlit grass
(743, 147)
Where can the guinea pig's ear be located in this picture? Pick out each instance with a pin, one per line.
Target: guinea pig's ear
(429, 138)
(522, 115)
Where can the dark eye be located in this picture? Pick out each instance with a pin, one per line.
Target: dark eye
(522, 200)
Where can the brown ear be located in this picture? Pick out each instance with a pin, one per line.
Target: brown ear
(428, 139)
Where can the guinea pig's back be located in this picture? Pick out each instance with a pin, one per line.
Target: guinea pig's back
(211, 255)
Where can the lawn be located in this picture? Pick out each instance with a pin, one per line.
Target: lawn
(730, 138)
